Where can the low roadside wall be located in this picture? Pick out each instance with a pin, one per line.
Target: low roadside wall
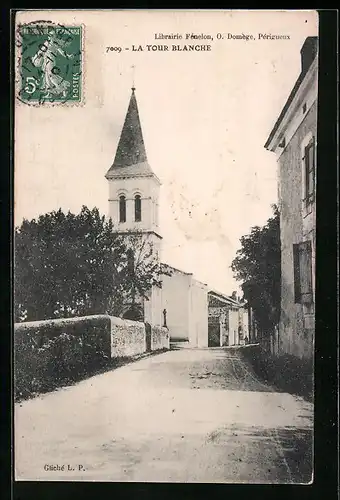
(53, 353)
(160, 338)
(127, 337)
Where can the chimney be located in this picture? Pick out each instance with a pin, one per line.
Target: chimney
(308, 53)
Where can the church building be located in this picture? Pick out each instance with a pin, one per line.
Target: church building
(181, 303)
(134, 189)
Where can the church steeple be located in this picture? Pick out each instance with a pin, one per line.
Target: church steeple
(131, 149)
(131, 158)
(133, 187)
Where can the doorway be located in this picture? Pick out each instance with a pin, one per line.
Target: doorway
(214, 333)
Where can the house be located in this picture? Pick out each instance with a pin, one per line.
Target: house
(294, 140)
(181, 303)
(229, 321)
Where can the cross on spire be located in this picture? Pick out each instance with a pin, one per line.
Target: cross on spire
(133, 88)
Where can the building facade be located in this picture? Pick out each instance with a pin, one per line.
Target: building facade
(229, 321)
(186, 302)
(294, 141)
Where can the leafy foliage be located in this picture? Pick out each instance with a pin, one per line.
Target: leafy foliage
(50, 354)
(143, 268)
(258, 266)
(75, 265)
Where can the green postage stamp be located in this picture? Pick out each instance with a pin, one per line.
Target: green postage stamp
(50, 63)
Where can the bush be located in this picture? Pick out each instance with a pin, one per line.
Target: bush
(52, 353)
(287, 373)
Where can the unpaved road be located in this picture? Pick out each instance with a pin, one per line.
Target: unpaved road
(182, 416)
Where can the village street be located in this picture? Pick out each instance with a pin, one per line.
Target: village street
(180, 416)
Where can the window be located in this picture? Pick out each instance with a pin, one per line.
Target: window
(309, 171)
(303, 287)
(122, 209)
(138, 208)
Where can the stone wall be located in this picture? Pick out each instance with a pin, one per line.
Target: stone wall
(128, 338)
(52, 353)
(160, 338)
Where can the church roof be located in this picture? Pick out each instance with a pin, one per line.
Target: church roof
(131, 159)
(172, 268)
(137, 170)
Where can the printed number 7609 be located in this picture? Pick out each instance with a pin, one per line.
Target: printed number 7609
(113, 49)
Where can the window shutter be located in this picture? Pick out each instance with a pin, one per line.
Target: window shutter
(297, 284)
(312, 166)
(306, 173)
(309, 169)
(306, 272)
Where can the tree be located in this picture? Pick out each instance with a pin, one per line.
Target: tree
(144, 270)
(258, 266)
(73, 265)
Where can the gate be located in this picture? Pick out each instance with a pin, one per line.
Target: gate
(148, 337)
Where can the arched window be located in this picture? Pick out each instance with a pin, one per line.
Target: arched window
(138, 208)
(122, 208)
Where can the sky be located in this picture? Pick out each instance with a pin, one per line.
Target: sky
(205, 117)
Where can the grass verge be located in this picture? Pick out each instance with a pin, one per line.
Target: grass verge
(286, 373)
(72, 379)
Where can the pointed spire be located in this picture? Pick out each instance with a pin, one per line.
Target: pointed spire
(131, 160)
(131, 149)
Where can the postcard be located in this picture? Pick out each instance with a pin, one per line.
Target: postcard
(164, 247)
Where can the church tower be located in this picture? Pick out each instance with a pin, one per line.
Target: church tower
(134, 196)
(133, 186)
